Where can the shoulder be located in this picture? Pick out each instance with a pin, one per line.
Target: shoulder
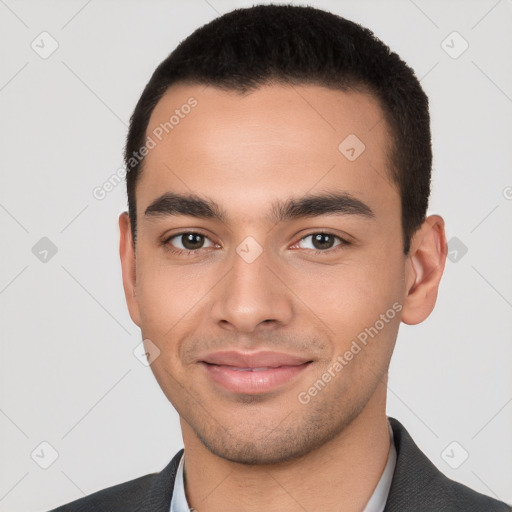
(418, 485)
(148, 492)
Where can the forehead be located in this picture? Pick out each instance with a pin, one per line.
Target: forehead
(278, 140)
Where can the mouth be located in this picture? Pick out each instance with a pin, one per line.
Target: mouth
(254, 373)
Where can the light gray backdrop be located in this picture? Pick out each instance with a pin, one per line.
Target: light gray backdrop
(78, 411)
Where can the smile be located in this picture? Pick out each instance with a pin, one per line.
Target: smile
(252, 380)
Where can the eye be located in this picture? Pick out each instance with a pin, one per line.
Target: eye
(190, 242)
(322, 242)
(187, 242)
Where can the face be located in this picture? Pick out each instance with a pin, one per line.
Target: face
(273, 306)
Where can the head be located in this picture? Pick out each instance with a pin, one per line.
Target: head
(278, 180)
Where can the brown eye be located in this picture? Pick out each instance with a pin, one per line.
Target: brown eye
(192, 241)
(187, 241)
(322, 242)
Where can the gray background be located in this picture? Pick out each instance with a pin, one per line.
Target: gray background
(68, 374)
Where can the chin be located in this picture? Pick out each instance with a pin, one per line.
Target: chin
(264, 445)
(256, 454)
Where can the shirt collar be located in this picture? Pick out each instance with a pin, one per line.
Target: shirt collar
(378, 499)
(376, 503)
(179, 500)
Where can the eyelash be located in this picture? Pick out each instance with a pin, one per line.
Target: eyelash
(167, 245)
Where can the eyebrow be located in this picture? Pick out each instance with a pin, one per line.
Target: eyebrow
(313, 205)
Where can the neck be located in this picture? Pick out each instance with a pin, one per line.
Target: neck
(340, 475)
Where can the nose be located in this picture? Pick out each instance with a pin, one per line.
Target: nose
(251, 295)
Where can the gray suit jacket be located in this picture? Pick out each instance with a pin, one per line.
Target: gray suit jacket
(417, 486)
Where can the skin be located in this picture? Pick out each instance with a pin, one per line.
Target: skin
(271, 452)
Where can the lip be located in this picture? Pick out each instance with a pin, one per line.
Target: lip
(253, 373)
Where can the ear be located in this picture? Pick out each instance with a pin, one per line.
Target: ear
(127, 253)
(424, 268)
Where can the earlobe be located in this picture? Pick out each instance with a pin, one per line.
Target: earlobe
(424, 269)
(127, 254)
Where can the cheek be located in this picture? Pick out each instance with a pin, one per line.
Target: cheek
(357, 306)
(166, 293)
(351, 295)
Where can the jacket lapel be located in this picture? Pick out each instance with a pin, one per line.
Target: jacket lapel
(418, 485)
(158, 498)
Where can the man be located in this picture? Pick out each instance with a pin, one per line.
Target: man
(279, 173)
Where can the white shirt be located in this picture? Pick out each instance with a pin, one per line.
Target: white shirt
(376, 503)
